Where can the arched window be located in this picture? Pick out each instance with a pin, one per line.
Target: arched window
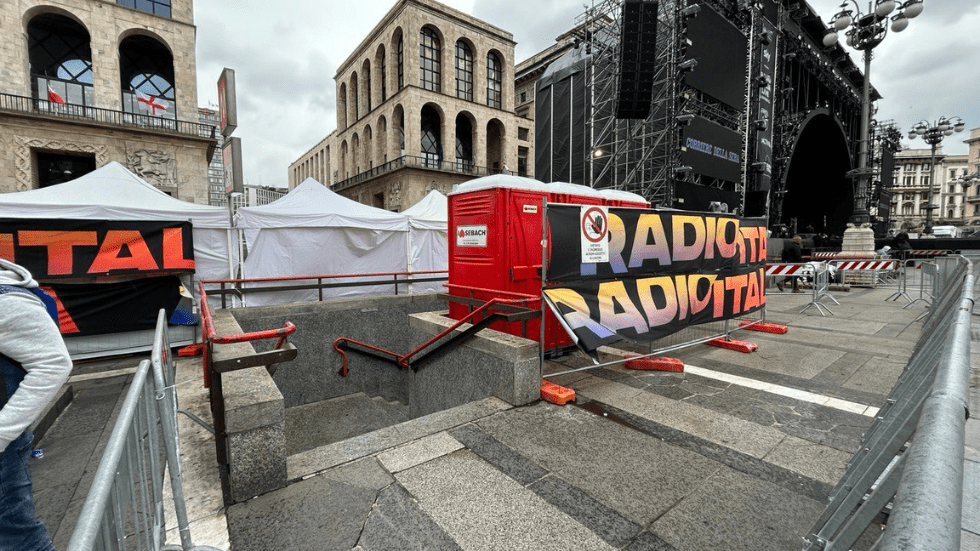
(60, 55)
(494, 77)
(464, 143)
(342, 107)
(146, 70)
(382, 64)
(354, 97)
(401, 62)
(430, 52)
(431, 139)
(366, 75)
(464, 71)
(156, 7)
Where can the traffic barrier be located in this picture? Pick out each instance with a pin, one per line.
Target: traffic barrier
(874, 265)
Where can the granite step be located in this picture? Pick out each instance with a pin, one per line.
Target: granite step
(320, 423)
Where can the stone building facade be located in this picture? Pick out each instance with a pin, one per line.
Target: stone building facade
(973, 168)
(910, 193)
(71, 79)
(425, 101)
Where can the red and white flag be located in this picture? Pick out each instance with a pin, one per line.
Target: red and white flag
(54, 96)
(151, 103)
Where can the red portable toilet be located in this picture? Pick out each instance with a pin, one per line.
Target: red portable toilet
(495, 242)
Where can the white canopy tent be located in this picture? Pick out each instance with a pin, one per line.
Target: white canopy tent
(313, 231)
(428, 247)
(114, 193)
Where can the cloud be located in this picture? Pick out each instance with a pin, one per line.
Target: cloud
(285, 57)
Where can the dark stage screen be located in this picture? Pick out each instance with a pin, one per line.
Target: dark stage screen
(712, 150)
(719, 48)
(688, 196)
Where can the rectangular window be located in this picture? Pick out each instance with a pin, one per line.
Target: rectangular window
(925, 167)
(523, 134)
(156, 7)
(925, 181)
(522, 154)
(909, 167)
(952, 188)
(952, 173)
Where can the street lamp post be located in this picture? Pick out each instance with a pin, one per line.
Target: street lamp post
(933, 135)
(867, 30)
(966, 181)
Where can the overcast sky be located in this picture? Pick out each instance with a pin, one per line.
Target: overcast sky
(286, 54)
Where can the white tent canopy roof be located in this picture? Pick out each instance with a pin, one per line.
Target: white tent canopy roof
(109, 193)
(530, 184)
(312, 205)
(431, 213)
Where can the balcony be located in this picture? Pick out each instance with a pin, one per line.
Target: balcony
(86, 114)
(428, 163)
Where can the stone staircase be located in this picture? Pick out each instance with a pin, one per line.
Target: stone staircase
(320, 423)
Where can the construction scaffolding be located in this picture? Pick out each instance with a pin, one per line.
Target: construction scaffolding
(643, 156)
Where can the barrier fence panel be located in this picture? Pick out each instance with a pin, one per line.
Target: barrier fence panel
(925, 474)
(124, 508)
(819, 271)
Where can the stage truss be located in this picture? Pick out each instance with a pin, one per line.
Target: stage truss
(642, 156)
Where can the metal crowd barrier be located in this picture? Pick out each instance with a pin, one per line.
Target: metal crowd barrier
(124, 508)
(911, 457)
(819, 271)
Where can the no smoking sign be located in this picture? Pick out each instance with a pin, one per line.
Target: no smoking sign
(594, 222)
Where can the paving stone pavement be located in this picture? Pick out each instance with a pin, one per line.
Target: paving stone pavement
(641, 461)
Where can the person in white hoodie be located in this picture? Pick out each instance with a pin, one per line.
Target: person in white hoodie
(34, 364)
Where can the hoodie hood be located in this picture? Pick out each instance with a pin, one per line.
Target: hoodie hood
(12, 274)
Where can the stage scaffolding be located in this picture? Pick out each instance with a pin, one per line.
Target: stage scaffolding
(642, 156)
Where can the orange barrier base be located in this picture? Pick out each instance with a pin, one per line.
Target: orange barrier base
(740, 346)
(191, 350)
(556, 394)
(656, 363)
(764, 327)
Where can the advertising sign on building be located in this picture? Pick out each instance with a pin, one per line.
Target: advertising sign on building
(227, 105)
(231, 158)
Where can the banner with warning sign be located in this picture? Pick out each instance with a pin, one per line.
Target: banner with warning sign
(595, 229)
(663, 270)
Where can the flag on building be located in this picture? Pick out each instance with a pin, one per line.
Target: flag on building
(151, 103)
(54, 96)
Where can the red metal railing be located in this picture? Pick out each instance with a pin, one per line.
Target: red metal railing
(402, 360)
(210, 336)
(397, 278)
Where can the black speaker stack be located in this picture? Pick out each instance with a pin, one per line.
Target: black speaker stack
(637, 59)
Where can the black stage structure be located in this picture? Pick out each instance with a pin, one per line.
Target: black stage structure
(725, 105)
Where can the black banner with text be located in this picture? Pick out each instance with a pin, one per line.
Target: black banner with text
(97, 308)
(651, 273)
(56, 249)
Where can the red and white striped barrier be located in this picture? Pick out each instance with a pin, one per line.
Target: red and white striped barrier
(867, 265)
(927, 252)
(784, 269)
